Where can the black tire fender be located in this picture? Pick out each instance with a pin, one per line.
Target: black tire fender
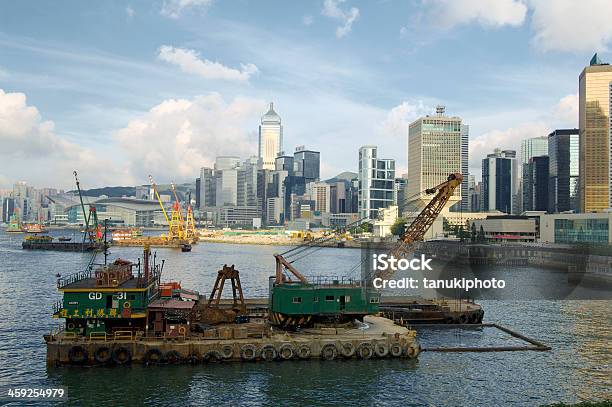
(286, 351)
(152, 356)
(381, 349)
(396, 349)
(268, 353)
(365, 350)
(227, 351)
(212, 356)
(121, 355)
(102, 354)
(303, 351)
(78, 355)
(173, 357)
(329, 351)
(347, 349)
(248, 352)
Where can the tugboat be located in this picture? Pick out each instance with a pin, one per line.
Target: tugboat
(185, 247)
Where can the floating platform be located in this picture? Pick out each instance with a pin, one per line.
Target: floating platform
(404, 310)
(62, 246)
(378, 338)
(152, 241)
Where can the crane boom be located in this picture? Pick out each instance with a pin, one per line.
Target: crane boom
(159, 198)
(421, 224)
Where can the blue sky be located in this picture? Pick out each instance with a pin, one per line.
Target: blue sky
(119, 90)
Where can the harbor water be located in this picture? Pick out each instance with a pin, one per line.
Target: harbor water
(579, 366)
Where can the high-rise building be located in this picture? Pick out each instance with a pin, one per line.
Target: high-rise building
(437, 147)
(399, 194)
(320, 194)
(499, 181)
(531, 147)
(538, 182)
(376, 182)
(594, 137)
(270, 138)
(464, 206)
(563, 168)
(284, 163)
(246, 194)
(307, 164)
(208, 188)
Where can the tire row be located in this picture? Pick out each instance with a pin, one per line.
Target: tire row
(121, 355)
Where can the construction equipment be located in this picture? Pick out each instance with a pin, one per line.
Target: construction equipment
(298, 302)
(175, 225)
(190, 229)
(419, 226)
(95, 231)
(212, 312)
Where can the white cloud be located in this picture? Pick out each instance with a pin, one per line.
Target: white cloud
(506, 139)
(189, 61)
(31, 148)
(174, 8)
(493, 13)
(399, 118)
(178, 136)
(346, 17)
(307, 19)
(129, 10)
(574, 26)
(566, 111)
(564, 114)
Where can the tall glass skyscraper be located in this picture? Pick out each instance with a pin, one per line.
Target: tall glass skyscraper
(499, 175)
(563, 153)
(531, 147)
(594, 140)
(270, 138)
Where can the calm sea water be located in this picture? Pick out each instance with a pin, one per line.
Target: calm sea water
(578, 368)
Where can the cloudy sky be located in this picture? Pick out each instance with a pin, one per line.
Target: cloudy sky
(119, 89)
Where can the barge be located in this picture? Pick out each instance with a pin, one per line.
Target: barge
(120, 313)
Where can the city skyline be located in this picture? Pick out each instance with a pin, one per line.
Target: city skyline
(170, 85)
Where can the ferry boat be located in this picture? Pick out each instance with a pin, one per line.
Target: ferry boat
(14, 225)
(34, 228)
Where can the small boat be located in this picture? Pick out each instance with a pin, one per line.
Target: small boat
(34, 228)
(64, 239)
(185, 247)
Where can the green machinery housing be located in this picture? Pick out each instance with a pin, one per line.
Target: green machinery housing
(299, 303)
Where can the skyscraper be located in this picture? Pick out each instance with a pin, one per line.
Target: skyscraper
(499, 181)
(270, 138)
(306, 163)
(376, 182)
(563, 153)
(437, 147)
(531, 147)
(538, 174)
(594, 140)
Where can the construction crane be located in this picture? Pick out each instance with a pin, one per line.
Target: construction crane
(295, 302)
(421, 224)
(190, 229)
(95, 232)
(175, 229)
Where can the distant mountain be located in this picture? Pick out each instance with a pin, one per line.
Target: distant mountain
(345, 176)
(111, 192)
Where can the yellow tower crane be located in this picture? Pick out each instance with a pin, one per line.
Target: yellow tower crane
(175, 226)
(190, 229)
